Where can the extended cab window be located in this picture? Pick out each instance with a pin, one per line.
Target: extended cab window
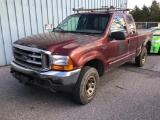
(130, 21)
(118, 24)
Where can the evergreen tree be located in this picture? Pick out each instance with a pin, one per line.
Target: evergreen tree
(155, 12)
(136, 13)
(147, 14)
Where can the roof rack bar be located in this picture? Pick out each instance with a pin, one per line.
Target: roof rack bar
(96, 9)
(124, 10)
(104, 8)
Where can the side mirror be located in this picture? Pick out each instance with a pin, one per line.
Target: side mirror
(48, 26)
(118, 35)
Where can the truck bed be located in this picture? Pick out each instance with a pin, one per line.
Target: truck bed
(141, 31)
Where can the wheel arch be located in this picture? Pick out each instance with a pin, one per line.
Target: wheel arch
(97, 64)
(147, 43)
(148, 46)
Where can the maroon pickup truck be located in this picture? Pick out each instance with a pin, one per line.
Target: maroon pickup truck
(78, 51)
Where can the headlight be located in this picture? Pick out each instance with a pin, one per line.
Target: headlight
(60, 62)
(155, 41)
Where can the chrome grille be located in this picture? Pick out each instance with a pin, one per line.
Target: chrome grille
(31, 57)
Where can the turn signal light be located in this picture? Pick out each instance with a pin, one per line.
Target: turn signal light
(64, 67)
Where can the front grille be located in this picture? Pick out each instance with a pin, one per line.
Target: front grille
(31, 58)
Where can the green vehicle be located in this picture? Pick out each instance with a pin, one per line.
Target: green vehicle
(155, 47)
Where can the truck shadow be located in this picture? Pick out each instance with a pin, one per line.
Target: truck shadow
(114, 74)
(28, 95)
(41, 96)
(153, 54)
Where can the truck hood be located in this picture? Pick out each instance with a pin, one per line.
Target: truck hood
(53, 40)
(156, 37)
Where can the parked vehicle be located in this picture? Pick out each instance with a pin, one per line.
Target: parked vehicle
(155, 48)
(78, 51)
(146, 25)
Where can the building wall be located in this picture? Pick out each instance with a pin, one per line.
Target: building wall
(20, 18)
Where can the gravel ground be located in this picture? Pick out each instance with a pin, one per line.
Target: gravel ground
(125, 93)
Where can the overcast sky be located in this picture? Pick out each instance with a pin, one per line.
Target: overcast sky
(139, 3)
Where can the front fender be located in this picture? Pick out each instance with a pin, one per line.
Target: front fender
(90, 56)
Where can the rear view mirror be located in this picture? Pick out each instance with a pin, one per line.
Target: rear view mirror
(118, 35)
(48, 27)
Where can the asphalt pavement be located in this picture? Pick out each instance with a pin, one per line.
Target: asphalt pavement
(125, 93)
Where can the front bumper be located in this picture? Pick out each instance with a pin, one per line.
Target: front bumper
(155, 48)
(54, 80)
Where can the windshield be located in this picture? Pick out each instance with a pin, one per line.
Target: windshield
(84, 23)
(156, 32)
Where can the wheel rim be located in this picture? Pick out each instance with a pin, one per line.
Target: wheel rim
(143, 58)
(90, 86)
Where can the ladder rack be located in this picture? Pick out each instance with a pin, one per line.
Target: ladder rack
(103, 9)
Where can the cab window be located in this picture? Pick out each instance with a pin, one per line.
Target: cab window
(130, 21)
(118, 24)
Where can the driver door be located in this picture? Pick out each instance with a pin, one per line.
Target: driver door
(119, 47)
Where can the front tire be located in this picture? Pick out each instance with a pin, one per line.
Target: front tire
(141, 59)
(85, 89)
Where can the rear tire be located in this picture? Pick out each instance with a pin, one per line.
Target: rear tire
(148, 47)
(159, 51)
(141, 59)
(85, 89)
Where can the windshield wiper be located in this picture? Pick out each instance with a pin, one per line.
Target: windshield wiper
(80, 32)
(73, 31)
(60, 29)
